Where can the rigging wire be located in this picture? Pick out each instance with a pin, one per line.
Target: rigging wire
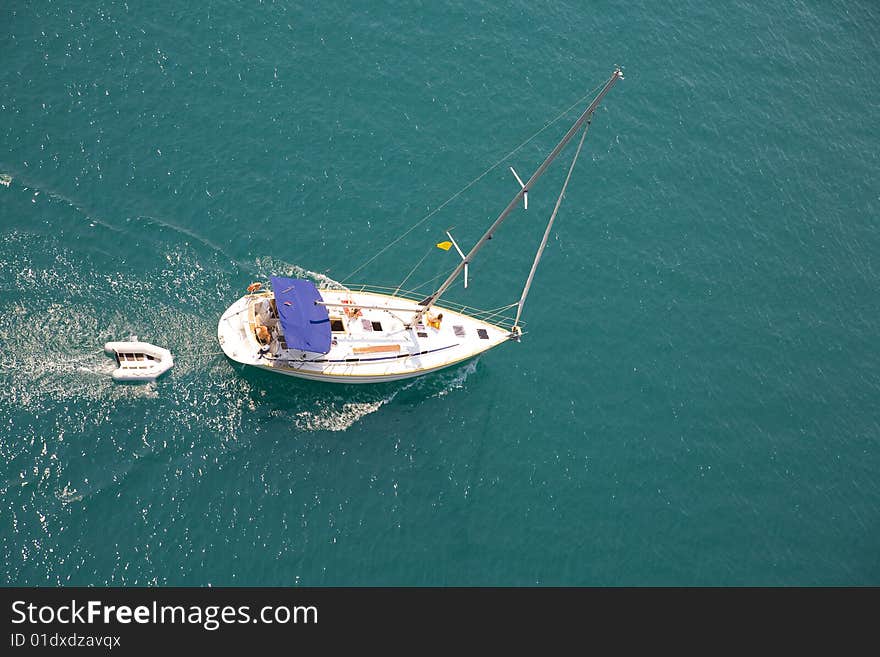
(412, 271)
(528, 285)
(471, 183)
(492, 314)
(440, 275)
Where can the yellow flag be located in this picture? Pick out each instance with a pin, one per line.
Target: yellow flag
(444, 245)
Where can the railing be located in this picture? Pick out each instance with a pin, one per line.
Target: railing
(502, 317)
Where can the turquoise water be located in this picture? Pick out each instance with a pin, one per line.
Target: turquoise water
(695, 402)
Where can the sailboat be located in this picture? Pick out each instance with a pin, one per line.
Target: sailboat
(369, 334)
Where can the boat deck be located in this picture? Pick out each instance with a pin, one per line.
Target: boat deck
(369, 338)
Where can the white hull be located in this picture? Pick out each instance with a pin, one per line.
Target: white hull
(300, 374)
(372, 347)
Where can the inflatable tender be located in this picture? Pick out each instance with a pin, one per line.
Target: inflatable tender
(139, 361)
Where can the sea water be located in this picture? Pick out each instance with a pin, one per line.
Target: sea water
(694, 402)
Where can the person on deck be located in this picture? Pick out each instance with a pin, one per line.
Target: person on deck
(263, 334)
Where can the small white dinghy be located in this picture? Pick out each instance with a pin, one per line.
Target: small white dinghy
(139, 361)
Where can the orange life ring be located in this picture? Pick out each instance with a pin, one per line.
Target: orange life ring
(253, 287)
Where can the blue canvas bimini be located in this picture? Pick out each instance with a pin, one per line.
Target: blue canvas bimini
(305, 324)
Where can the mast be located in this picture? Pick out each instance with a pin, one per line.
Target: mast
(432, 299)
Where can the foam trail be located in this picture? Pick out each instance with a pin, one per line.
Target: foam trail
(340, 415)
(271, 266)
(337, 415)
(458, 378)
